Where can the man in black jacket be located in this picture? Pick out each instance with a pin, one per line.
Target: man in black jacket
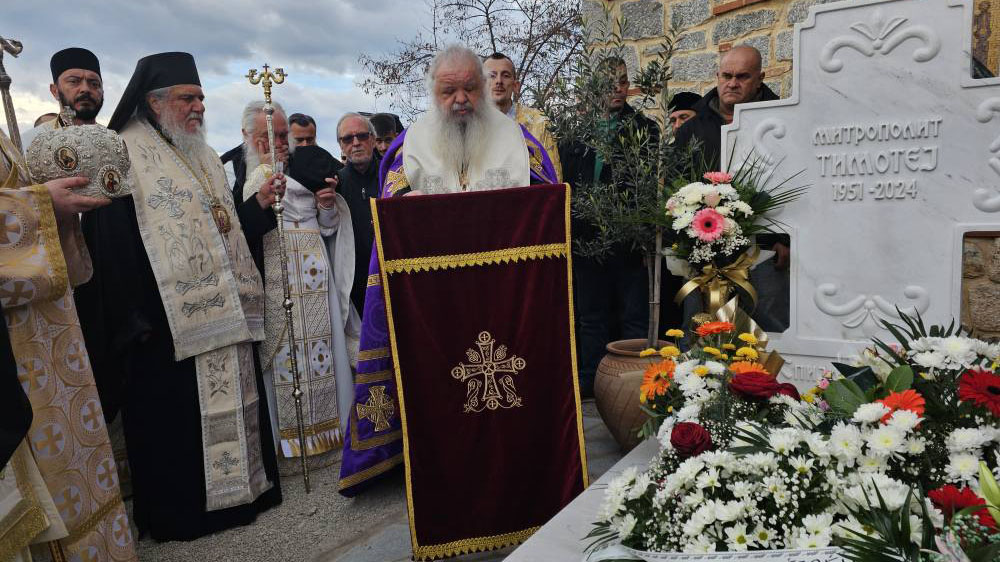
(612, 294)
(741, 80)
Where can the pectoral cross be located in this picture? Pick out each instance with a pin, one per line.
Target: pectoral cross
(14, 48)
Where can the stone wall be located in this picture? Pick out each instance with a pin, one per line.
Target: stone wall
(710, 27)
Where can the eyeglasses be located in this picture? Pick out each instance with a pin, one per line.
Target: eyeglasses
(348, 139)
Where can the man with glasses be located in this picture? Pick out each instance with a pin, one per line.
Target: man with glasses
(358, 185)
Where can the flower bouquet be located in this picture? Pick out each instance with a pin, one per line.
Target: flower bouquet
(713, 227)
(892, 458)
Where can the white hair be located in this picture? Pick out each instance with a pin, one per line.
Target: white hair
(189, 144)
(365, 120)
(254, 108)
(453, 53)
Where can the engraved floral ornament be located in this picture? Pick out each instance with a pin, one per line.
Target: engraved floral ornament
(489, 361)
(882, 37)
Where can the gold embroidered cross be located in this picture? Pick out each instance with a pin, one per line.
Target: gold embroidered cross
(379, 408)
(489, 361)
(51, 439)
(10, 226)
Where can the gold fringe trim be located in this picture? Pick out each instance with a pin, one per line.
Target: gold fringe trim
(311, 430)
(370, 472)
(316, 443)
(467, 546)
(411, 265)
(373, 354)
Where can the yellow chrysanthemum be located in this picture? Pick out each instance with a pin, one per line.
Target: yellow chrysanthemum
(669, 351)
(749, 338)
(728, 346)
(723, 357)
(648, 352)
(748, 352)
(711, 351)
(700, 370)
(809, 397)
(675, 333)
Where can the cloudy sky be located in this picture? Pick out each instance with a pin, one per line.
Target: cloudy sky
(317, 42)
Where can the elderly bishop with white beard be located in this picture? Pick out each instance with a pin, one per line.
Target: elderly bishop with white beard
(181, 303)
(462, 143)
(319, 243)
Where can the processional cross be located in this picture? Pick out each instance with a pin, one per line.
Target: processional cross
(14, 48)
(489, 361)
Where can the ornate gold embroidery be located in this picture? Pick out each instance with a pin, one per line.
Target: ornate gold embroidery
(372, 354)
(395, 181)
(535, 157)
(377, 376)
(429, 263)
(379, 408)
(489, 361)
(359, 444)
(370, 472)
(374, 280)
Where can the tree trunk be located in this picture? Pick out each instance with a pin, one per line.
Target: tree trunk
(654, 264)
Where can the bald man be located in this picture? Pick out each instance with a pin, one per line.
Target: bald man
(741, 80)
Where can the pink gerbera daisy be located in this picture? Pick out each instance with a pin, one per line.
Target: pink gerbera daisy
(708, 224)
(718, 177)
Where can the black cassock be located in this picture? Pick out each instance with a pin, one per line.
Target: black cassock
(132, 353)
(15, 410)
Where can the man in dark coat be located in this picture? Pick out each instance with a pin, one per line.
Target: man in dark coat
(612, 293)
(741, 80)
(359, 185)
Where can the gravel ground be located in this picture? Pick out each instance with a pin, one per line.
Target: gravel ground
(324, 526)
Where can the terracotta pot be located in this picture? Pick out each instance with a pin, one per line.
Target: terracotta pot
(616, 389)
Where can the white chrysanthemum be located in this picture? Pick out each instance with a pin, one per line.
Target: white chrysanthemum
(742, 208)
(689, 413)
(872, 463)
(818, 446)
(720, 459)
(967, 439)
(688, 470)
(708, 479)
(737, 538)
(692, 527)
(685, 368)
(762, 535)
(682, 221)
(818, 523)
(642, 483)
(784, 440)
(625, 526)
(729, 511)
(723, 210)
(701, 545)
(761, 462)
(811, 540)
(691, 384)
(844, 529)
(886, 440)
(801, 464)
(663, 434)
(694, 499)
(963, 466)
(845, 442)
(990, 351)
(931, 359)
(916, 446)
(870, 412)
(904, 420)
(740, 488)
(715, 367)
(959, 350)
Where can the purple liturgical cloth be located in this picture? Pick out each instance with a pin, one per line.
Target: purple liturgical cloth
(373, 442)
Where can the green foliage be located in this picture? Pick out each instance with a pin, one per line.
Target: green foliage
(891, 543)
(844, 397)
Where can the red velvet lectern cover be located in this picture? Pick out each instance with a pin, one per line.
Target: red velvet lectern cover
(478, 292)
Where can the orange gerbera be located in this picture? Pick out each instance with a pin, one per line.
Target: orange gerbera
(744, 367)
(709, 328)
(907, 400)
(656, 380)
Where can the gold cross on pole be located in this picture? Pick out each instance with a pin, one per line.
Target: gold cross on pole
(12, 47)
(266, 77)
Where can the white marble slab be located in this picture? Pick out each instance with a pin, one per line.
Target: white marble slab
(562, 538)
(900, 148)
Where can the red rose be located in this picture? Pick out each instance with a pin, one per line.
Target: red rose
(755, 386)
(690, 439)
(951, 500)
(788, 389)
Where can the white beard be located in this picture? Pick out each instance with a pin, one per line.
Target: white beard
(250, 158)
(461, 142)
(191, 145)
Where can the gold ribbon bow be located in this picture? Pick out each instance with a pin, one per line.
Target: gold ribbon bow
(719, 279)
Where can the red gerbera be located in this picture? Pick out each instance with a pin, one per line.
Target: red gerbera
(982, 388)
(951, 500)
(907, 400)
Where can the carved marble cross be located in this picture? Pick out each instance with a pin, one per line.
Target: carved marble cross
(901, 150)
